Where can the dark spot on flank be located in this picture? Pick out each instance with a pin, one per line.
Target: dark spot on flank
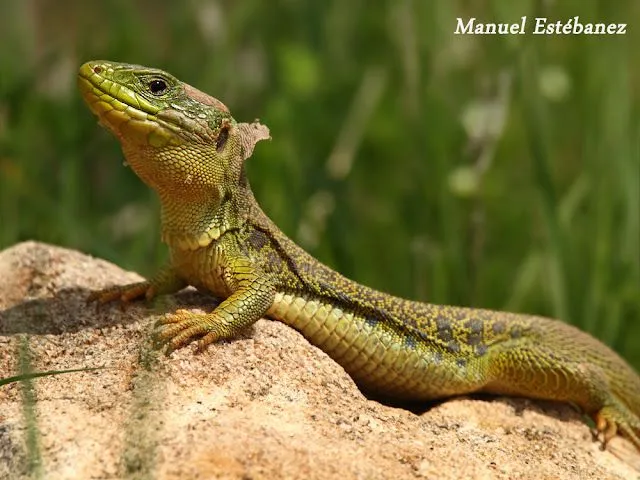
(257, 239)
(498, 327)
(475, 331)
(461, 362)
(371, 321)
(445, 333)
(481, 349)
(410, 342)
(474, 325)
(344, 298)
(442, 322)
(437, 358)
(474, 338)
(460, 314)
(453, 346)
(516, 332)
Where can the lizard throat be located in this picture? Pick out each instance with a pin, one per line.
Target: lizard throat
(190, 242)
(188, 226)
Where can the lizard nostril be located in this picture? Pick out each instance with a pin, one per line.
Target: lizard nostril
(97, 69)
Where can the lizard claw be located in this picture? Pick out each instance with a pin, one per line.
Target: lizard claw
(613, 419)
(124, 293)
(174, 318)
(605, 430)
(183, 327)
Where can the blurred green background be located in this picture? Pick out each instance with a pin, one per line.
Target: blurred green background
(493, 171)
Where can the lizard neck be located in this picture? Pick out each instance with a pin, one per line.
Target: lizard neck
(189, 225)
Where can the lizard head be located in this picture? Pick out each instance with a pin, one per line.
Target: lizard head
(179, 140)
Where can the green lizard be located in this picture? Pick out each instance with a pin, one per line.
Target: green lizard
(187, 147)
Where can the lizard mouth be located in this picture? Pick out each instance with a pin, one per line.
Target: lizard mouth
(128, 115)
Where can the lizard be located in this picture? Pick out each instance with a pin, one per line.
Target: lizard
(186, 146)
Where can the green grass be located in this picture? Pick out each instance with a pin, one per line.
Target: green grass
(501, 172)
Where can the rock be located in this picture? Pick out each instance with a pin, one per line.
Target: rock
(266, 405)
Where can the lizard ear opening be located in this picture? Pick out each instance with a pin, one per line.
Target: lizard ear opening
(223, 136)
(250, 134)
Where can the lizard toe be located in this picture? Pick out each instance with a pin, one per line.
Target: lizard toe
(183, 338)
(209, 338)
(179, 317)
(181, 328)
(616, 419)
(124, 293)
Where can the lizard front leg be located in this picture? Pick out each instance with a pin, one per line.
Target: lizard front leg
(165, 281)
(252, 295)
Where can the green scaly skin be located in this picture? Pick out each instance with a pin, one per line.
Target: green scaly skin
(187, 147)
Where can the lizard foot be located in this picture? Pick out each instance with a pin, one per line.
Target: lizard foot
(124, 293)
(613, 419)
(182, 327)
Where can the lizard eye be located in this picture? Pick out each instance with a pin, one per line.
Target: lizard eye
(157, 87)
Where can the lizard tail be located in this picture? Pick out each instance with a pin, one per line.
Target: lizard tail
(556, 361)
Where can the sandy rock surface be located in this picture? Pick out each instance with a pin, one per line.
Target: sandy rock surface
(265, 406)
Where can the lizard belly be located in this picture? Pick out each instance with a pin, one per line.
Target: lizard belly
(201, 268)
(379, 358)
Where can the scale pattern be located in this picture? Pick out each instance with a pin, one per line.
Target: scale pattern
(187, 147)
